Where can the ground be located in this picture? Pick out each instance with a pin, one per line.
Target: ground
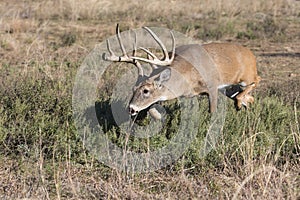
(42, 45)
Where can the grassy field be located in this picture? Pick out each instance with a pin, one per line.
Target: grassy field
(43, 43)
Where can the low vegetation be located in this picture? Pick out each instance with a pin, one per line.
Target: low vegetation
(42, 155)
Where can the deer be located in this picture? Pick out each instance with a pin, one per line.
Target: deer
(177, 74)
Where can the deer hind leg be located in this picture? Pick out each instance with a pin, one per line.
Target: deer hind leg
(244, 98)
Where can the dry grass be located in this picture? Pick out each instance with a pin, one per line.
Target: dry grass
(42, 44)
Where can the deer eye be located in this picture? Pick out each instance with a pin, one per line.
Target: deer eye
(146, 91)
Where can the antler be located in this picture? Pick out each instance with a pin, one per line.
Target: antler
(125, 57)
(152, 59)
(156, 61)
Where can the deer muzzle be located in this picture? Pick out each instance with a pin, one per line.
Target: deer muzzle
(133, 110)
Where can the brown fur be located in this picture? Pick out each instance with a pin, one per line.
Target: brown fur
(232, 64)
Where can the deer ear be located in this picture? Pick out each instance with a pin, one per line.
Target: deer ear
(163, 76)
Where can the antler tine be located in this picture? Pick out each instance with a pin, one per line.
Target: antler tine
(173, 46)
(136, 62)
(135, 44)
(150, 56)
(155, 61)
(108, 48)
(120, 41)
(112, 56)
(156, 38)
(149, 53)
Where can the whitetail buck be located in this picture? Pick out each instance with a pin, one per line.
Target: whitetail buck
(227, 67)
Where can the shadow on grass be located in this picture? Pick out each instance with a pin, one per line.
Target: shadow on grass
(108, 119)
(104, 115)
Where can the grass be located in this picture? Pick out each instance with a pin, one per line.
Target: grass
(42, 155)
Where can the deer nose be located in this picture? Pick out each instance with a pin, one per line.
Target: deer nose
(133, 110)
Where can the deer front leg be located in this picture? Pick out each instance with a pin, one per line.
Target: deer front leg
(155, 113)
(213, 100)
